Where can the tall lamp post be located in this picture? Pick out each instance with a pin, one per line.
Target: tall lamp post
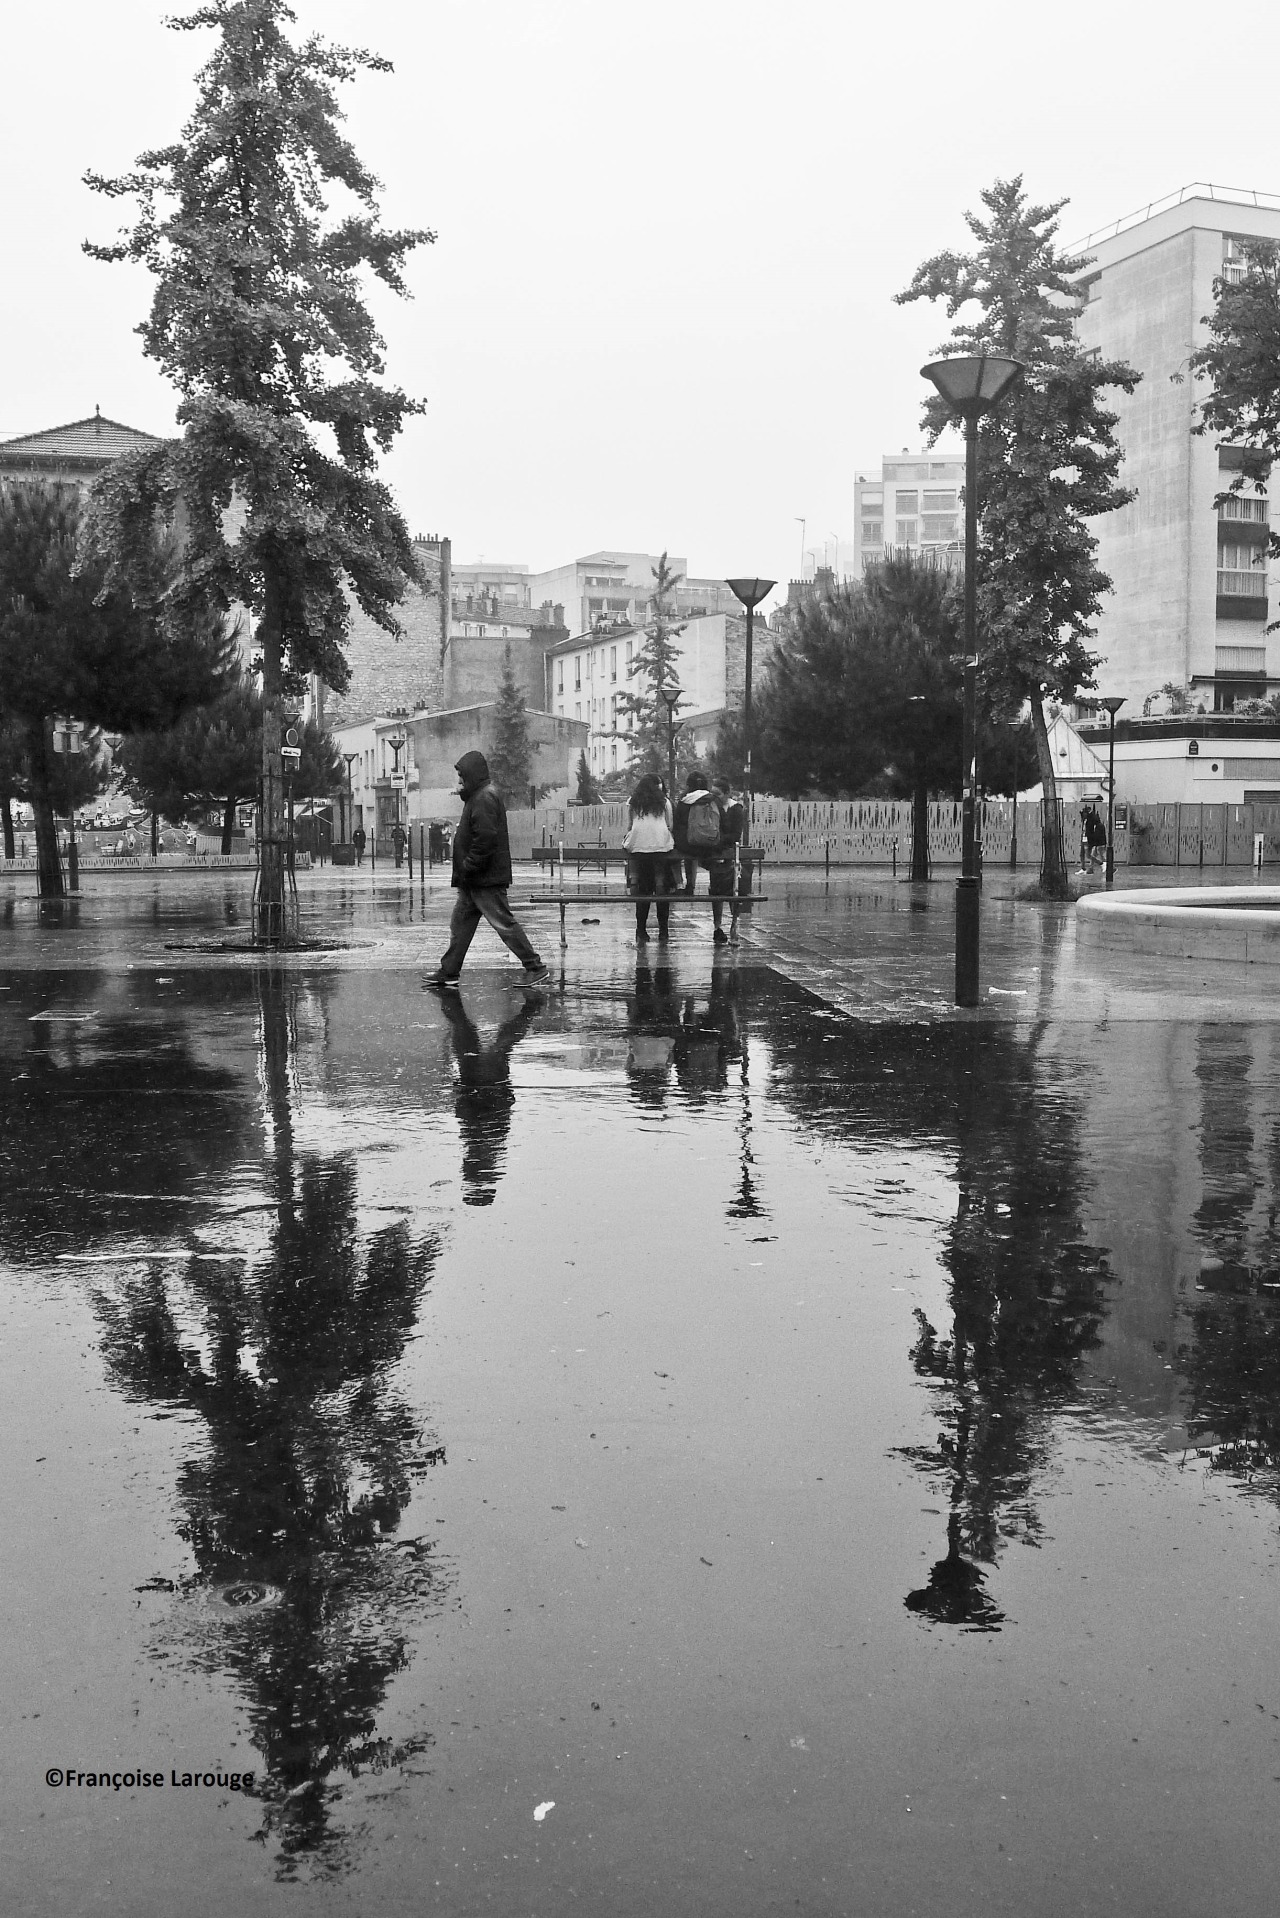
(749, 593)
(351, 811)
(1113, 702)
(396, 743)
(970, 386)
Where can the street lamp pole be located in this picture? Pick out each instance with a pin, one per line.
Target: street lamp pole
(749, 593)
(1113, 703)
(671, 701)
(351, 811)
(970, 386)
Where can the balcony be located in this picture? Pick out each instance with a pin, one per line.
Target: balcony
(1242, 592)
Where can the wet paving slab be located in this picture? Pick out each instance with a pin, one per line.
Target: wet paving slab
(695, 1437)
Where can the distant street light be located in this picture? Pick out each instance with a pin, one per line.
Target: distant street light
(749, 592)
(970, 387)
(671, 700)
(351, 811)
(1113, 702)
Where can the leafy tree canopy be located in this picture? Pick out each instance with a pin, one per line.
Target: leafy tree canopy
(1242, 360)
(258, 320)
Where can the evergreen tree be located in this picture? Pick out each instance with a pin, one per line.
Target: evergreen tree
(212, 760)
(113, 657)
(1048, 462)
(654, 667)
(511, 760)
(588, 792)
(13, 779)
(258, 319)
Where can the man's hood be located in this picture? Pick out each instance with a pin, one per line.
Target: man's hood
(473, 770)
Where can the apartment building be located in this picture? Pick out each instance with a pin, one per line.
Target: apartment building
(616, 588)
(1192, 594)
(914, 504)
(588, 674)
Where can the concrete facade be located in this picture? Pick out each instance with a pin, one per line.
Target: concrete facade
(479, 637)
(1196, 757)
(1191, 597)
(390, 674)
(914, 504)
(617, 588)
(430, 746)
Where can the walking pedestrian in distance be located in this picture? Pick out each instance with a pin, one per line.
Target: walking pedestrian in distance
(481, 875)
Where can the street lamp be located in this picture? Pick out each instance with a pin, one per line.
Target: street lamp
(970, 386)
(1113, 702)
(671, 700)
(396, 742)
(749, 593)
(351, 811)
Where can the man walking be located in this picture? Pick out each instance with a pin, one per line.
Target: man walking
(481, 875)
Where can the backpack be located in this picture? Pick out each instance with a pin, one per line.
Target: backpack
(703, 830)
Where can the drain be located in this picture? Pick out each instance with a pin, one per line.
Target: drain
(243, 1595)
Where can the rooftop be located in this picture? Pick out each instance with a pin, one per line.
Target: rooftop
(95, 441)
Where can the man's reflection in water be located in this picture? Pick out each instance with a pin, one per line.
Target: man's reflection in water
(485, 1096)
(303, 1589)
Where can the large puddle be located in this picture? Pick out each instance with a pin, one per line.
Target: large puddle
(651, 1448)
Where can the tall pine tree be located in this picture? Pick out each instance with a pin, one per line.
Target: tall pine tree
(511, 761)
(655, 667)
(1048, 462)
(259, 320)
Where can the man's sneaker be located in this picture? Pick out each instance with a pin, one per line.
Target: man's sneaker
(535, 975)
(442, 983)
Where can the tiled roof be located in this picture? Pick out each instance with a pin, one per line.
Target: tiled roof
(96, 441)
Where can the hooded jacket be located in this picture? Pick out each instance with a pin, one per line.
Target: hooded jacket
(481, 848)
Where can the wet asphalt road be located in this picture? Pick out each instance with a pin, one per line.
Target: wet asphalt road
(818, 1449)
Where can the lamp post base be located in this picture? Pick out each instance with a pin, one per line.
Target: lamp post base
(966, 942)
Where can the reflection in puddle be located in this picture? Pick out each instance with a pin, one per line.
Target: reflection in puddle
(250, 1182)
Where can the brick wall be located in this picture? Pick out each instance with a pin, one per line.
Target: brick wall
(390, 674)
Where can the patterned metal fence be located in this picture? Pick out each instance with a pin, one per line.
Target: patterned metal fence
(847, 832)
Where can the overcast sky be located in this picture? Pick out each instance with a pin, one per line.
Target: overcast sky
(659, 310)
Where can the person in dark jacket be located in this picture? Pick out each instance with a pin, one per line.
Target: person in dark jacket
(481, 875)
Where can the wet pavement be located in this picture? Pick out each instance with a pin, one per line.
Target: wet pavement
(722, 1433)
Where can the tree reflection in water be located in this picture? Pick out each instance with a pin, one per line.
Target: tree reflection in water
(310, 1457)
(1027, 1295)
(1230, 1356)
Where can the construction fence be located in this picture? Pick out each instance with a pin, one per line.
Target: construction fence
(877, 832)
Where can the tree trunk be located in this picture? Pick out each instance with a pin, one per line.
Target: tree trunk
(1053, 874)
(271, 928)
(155, 833)
(6, 817)
(920, 826)
(49, 881)
(228, 823)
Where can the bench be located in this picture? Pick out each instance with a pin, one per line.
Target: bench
(601, 858)
(737, 902)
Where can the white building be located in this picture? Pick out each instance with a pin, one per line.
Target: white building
(588, 675)
(1191, 597)
(617, 587)
(915, 504)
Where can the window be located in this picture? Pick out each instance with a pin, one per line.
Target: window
(939, 527)
(907, 532)
(560, 679)
(1244, 559)
(908, 501)
(1246, 506)
(939, 502)
(577, 672)
(614, 752)
(630, 646)
(1235, 257)
(614, 706)
(872, 532)
(613, 666)
(577, 709)
(873, 502)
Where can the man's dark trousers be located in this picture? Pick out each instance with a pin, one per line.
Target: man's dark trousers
(473, 904)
